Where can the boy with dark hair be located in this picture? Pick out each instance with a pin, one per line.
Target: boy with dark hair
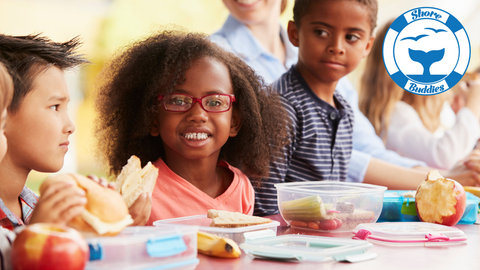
(37, 130)
(332, 37)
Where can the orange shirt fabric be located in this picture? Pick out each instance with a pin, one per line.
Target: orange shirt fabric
(175, 197)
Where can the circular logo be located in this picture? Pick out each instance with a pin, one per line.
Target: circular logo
(426, 51)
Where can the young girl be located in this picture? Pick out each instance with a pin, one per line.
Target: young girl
(411, 124)
(201, 114)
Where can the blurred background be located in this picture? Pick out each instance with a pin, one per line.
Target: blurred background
(106, 26)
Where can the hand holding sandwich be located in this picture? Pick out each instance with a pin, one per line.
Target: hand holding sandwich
(139, 210)
(59, 203)
(136, 185)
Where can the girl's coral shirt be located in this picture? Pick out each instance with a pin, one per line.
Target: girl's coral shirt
(175, 197)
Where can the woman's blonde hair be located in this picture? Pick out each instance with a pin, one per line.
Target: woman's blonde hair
(6, 88)
(379, 93)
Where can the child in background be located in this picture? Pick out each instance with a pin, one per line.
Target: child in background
(411, 124)
(148, 107)
(37, 130)
(332, 37)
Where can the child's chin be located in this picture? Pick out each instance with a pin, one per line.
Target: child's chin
(50, 168)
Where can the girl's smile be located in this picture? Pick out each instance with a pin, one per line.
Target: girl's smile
(196, 134)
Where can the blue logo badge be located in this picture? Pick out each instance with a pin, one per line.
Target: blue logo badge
(426, 51)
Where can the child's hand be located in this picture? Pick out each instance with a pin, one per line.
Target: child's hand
(141, 209)
(59, 203)
(102, 181)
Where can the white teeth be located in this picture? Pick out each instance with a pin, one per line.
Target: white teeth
(246, 2)
(195, 136)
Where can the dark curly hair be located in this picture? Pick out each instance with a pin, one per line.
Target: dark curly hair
(302, 8)
(127, 102)
(26, 56)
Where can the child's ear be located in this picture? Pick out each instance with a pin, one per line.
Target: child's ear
(368, 48)
(292, 33)
(236, 123)
(155, 128)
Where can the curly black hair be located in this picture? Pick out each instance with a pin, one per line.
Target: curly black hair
(127, 103)
(26, 56)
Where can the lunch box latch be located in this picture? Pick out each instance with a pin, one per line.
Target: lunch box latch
(96, 252)
(166, 246)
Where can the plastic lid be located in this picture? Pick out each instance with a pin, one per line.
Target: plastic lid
(307, 248)
(409, 232)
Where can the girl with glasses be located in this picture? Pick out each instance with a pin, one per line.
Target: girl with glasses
(199, 113)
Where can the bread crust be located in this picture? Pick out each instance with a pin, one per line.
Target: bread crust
(226, 219)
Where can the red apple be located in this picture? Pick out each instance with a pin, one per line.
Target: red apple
(440, 200)
(49, 246)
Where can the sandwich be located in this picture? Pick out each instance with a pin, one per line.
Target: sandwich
(228, 219)
(133, 180)
(106, 213)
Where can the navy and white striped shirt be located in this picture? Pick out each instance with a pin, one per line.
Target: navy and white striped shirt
(320, 140)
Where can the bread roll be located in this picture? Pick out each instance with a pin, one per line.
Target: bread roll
(105, 214)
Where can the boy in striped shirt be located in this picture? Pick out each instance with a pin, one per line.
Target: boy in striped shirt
(332, 37)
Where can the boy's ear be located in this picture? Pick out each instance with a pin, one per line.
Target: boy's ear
(155, 128)
(236, 123)
(292, 33)
(368, 48)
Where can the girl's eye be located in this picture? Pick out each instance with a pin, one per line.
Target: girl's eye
(214, 103)
(55, 107)
(177, 101)
(352, 37)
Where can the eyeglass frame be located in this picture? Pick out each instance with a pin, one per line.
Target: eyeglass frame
(199, 100)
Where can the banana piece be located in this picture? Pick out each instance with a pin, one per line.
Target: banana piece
(213, 245)
(474, 190)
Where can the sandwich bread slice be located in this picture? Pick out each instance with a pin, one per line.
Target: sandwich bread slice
(133, 180)
(228, 219)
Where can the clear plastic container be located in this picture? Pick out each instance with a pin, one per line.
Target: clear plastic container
(203, 222)
(398, 207)
(145, 248)
(327, 201)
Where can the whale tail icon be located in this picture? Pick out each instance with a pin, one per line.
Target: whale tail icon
(426, 59)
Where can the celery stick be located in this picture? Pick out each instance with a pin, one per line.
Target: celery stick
(307, 209)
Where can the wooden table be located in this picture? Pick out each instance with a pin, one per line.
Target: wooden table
(460, 257)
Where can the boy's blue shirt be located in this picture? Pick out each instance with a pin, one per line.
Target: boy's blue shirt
(237, 38)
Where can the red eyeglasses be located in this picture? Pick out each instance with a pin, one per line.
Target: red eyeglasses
(215, 103)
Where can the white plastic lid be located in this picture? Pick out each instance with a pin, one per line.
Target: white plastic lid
(409, 233)
(307, 248)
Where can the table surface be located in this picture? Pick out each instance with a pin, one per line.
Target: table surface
(445, 257)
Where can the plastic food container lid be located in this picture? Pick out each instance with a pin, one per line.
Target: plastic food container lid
(331, 188)
(305, 248)
(409, 234)
(203, 222)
